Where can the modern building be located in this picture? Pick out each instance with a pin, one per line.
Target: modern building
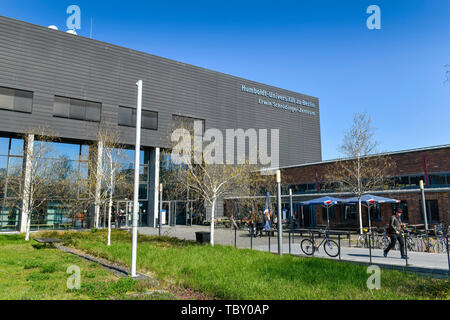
(73, 85)
(431, 164)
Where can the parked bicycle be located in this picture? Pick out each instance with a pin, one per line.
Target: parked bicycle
(425, 243)
(309, 245)
(442, 245)
(363, 239)
(382, 241)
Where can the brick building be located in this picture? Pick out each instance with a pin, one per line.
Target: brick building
(431, 164)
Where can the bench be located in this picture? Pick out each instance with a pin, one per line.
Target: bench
(47, 241)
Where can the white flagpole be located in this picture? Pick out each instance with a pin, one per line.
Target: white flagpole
(136, 180)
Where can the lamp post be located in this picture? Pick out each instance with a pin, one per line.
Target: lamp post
(280, 229)
(160, 207)
(291, 210)
(424, 209)
(136, 180)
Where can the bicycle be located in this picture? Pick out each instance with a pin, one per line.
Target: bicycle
(309, 245)
(442, 245)
(425, 243)
(383, 241)
(409, 240)
(363, 239)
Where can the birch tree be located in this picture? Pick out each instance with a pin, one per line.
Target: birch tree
(362, 170)
(201, 170)
(40, 178)
(108, 172)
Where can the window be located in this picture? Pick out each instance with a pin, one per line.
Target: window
(187, 122)
(77, 109)
(401, 181)
(437, 179)
(414, 180)
(350, 212)
(127, 117)
(375, 212)
(432, 211)
(404, 206)
(16, 100)
(330, 213)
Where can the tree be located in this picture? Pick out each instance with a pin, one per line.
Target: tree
(362, 170)
(255, 195)
(109, 176)
(41, 177)
(199, 170)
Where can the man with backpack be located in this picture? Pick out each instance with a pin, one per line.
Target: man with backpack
(395, 233)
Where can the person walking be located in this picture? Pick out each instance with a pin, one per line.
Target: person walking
(395, 230)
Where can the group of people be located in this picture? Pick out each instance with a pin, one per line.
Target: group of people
(261, 221)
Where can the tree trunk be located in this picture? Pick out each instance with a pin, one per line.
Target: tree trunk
(360, 216)
(213, 207)
(27, 235)
(109, 220)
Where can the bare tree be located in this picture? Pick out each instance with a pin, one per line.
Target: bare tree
(362, 171)
(109, 176)
(254, 197)
(209, 179)
(41, 177)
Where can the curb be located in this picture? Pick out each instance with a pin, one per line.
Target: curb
(118, 271)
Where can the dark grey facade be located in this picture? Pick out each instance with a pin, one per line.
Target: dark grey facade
(49, 63)
(52, 63)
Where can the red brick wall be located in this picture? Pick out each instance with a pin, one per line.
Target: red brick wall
(406, 164)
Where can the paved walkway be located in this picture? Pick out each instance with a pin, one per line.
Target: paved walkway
(431, 262)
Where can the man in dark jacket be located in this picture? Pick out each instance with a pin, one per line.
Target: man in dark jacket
(395, 229)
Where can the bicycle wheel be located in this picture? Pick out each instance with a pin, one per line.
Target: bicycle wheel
(331, 248)
(307, 246)
(384, 242)
(411, 244)
(361, 241)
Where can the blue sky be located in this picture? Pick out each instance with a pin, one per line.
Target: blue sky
(321, 48)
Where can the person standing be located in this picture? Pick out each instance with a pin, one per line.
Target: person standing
(395, 230)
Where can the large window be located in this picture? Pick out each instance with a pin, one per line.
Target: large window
(330, 213)
(403, 205)
(350, 212)
(432, 209)
(438, 179)
(16, 100)
(11, 161)
(127, 117)
(77, 109)
(187, 123)
(375, 212)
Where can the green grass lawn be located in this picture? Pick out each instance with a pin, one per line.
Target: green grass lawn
(31, 271)
(228, 273)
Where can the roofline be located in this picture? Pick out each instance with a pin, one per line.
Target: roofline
(160, 57)
(444, 146)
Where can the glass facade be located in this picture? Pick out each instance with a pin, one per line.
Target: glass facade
(58, 211)
(11, 160)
